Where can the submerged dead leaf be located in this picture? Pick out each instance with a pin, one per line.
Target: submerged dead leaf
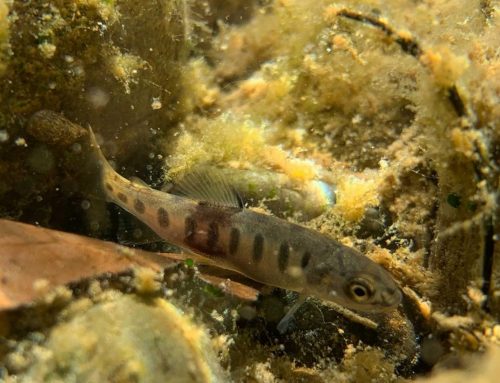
(32, 256)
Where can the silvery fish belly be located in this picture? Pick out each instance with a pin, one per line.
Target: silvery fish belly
(267, 249)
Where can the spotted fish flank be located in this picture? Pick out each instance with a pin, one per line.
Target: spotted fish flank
(258, 248)
(189, 228)
(234, 240)
(122, 197)
(305, 259)
(163, 219)
(139, 206)
(262, 247)
(212, 235)
(284, 253)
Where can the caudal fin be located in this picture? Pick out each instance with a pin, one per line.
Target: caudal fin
(105, 167)
(106, 172)
(96, 149)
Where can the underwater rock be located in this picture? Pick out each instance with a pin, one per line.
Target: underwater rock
(475, 369)
(53, 129)
(126, 339)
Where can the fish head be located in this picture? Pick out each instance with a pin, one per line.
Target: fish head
(352, 280)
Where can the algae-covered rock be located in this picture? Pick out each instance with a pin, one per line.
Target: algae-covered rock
(126, 339)
(400, 112)
(113, 65)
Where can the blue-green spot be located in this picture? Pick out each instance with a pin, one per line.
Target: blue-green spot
(213, 291)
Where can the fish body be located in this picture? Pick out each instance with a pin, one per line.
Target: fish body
(262, 247)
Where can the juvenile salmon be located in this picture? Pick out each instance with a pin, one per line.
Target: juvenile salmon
(261, 247)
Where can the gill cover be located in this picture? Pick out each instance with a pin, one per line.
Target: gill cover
(350, 279)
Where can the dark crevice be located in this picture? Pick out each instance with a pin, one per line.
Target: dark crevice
(456, 101)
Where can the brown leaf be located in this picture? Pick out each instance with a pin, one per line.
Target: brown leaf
(29, 254)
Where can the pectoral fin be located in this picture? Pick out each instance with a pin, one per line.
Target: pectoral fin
(284, 323)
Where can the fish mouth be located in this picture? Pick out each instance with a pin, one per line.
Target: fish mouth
(384, 302)
(391, 299)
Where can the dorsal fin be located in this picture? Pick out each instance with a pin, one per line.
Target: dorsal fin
(206, 184)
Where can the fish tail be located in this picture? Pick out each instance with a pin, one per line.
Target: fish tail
(103, 163)
(96, 149)
(105, 169)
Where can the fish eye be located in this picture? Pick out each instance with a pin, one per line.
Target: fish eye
(359, 289)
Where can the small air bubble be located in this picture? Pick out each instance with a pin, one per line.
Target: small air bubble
(97, 97)
(21, 142)
(4, 135)
(76, 147)
(78, 70)
(156, 103)
(85, 204)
